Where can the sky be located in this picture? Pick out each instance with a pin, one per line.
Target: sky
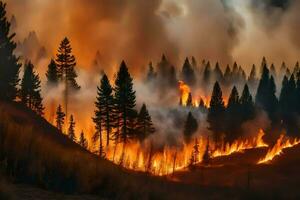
(140, 31)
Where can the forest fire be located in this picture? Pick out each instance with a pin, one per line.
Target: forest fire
(281, 144)
(145, 158)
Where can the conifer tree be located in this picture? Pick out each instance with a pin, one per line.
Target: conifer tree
(125, 101)
(144, 124)
(9, 63)
(227, 75)
(218, 73)
(202, 106)
(71, 129)
(216, 112)
(189, 101)
(233, 115)
(190, 127)
(60, 118)
(66, 63)
(82, 141)
(188, 73)
(206, 155)
(207, 73)
(52, 74)
(30, 93)
(247, 105)
(104, 113)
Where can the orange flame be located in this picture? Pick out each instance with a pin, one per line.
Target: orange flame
(139, 157)
(184, 92)
(277, 149)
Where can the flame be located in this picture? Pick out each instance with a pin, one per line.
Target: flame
(184, 92)
(277, 149)
(240, 145)
(142, 157)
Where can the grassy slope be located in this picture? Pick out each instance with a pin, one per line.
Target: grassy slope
(33, 152)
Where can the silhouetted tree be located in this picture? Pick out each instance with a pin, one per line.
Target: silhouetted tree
(190, 127)
(273, 70)
(216, 112)
(66, 63)
(71, 129)
(52, 74)
(188, 74)
(104, 113)
(9, 66)
(265, 96)
(60, 118)
(233, 116)
(296, 70)
(206, 155)
(30, 93)
(247, 105)
(189, 101)
(202, 106)
(144, 124)
(125, 101)
(82, 141)
(207, 73)
(218, 73)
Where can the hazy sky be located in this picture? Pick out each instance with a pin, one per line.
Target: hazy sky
(141, 30)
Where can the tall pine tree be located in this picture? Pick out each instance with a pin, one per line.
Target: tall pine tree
(82, 141)
(125, 102)
(104, 113)
(216, 112)
(66, 63)
(9, 66)
(30, 93)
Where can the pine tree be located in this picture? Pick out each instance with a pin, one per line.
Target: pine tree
(207, 73)
(9, 63)
(188, 74)
(218, 73)
(125, 101)
(273, 70)
(233, 116)
(190, 127)
(104, 114)
(30, 93)
(82, 141)
(66, 63)
(52, 74)
(71, 129)
(202, 106)
(227, 76)
(283, 98)
(144, 124)
(60, 118)
(216, 112)
(247, 105)
(189, 101)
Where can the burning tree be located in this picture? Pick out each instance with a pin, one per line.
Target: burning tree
(9, 66)
(30, 93)
(188, 74)
(195, 155)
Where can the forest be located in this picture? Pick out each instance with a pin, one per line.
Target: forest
(155, 130)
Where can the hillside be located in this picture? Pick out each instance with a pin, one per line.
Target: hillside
(34, 153)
